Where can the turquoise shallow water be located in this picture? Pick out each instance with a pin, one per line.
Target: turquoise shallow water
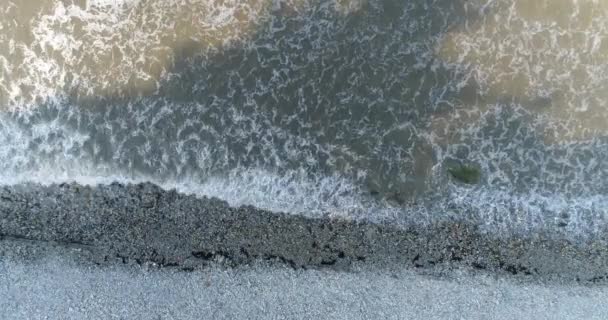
(349, 107)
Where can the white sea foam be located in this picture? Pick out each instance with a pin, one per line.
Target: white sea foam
(111, 3)
(305, 107)
(109, 47)
(497, 211)
(548, 49)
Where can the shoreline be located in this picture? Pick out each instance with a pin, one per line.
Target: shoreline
(144, 224)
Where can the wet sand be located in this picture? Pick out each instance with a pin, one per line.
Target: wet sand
(146, 225)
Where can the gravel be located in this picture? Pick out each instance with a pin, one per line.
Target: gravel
(140, 252)
(60, 282)
(139, 224)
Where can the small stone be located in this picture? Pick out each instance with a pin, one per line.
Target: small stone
(465, 173)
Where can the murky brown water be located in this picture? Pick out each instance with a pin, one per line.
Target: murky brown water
(344, 106)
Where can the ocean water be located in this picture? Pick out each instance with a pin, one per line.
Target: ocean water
(347, 108)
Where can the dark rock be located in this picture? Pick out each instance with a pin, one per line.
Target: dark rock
(465, 173)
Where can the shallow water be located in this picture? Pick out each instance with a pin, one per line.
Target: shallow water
(346, 107)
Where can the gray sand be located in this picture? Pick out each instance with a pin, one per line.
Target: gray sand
(60, 284)
(139, 252)
(139, 224)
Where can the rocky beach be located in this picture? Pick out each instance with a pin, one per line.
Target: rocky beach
(145, 225)
(278, 159)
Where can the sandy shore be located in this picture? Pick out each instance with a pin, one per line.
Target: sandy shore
(143, 224)
(43, 280)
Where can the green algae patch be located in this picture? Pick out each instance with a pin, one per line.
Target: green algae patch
(465, 173)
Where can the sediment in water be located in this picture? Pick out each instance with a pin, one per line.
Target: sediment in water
(145, 224)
